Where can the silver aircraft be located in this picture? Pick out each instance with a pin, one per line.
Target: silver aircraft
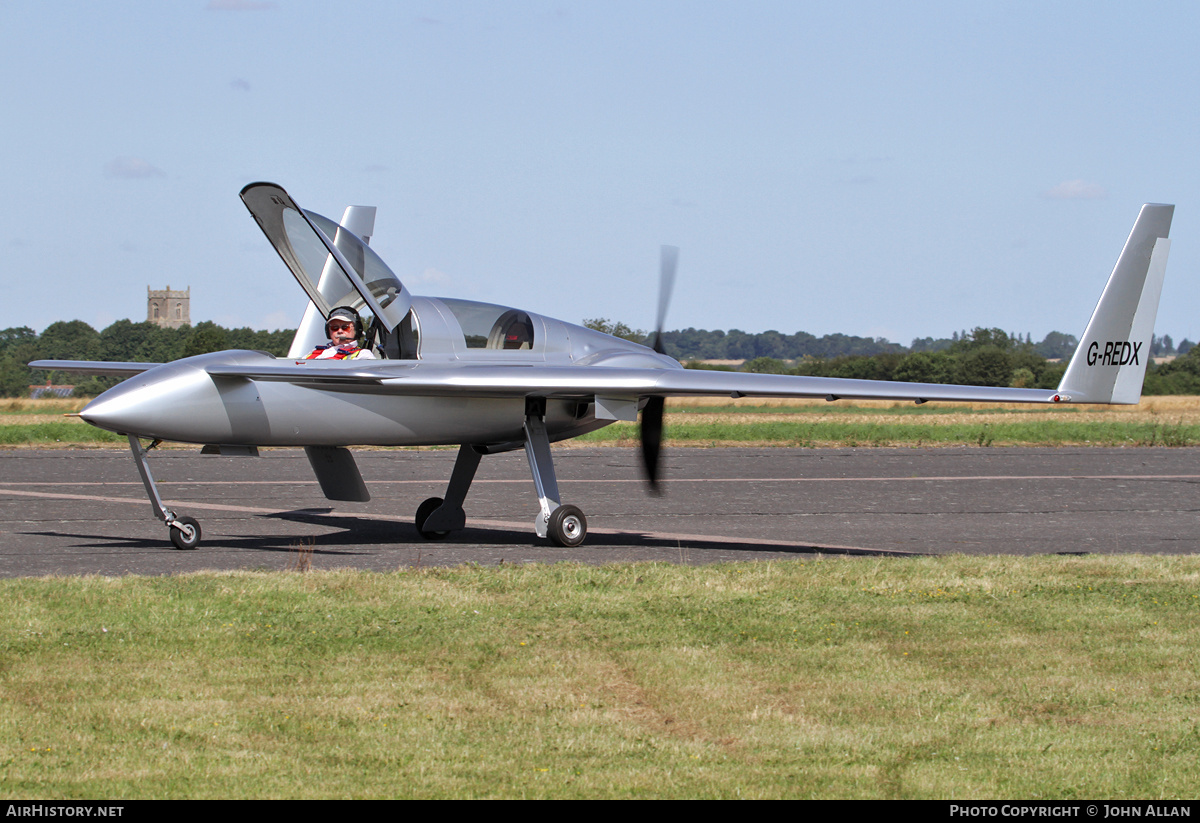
(490, 378)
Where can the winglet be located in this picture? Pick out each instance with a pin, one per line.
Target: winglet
(1110, 363)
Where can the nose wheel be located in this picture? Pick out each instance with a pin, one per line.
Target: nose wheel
(185, 533)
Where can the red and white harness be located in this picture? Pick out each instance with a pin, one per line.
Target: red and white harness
(332, 352)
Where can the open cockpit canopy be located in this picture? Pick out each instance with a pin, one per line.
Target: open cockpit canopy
(335, 267)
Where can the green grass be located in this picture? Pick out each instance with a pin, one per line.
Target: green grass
(56, 432)
(949, 677)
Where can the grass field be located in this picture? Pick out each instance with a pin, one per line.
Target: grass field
(949, 677)
(1156, 421)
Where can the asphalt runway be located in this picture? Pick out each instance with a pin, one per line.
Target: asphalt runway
(83, 511)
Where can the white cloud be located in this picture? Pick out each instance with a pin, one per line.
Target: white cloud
(1076, 190)
(131, 168)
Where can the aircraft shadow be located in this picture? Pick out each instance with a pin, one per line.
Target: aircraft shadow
(267, 543)
(371, 531)
(350, 536)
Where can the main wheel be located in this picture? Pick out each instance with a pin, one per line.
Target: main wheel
(185, 533)
(567, 526)
(423, 511)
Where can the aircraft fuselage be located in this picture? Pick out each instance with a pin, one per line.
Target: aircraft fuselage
(182, 401)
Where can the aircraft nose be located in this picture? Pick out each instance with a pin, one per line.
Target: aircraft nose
(137, 405)
(119, 409)
(175, 401)
(105, 412)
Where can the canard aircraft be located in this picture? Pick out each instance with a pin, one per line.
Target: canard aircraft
(490, 378)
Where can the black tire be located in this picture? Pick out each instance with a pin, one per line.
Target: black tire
(423, 511)
(567, 526)
(185, 533)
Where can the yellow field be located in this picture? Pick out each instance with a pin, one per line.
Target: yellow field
(1176, 409)
(28, 405)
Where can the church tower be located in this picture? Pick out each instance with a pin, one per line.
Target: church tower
(170, 309)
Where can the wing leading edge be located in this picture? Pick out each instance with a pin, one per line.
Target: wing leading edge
(97, 367)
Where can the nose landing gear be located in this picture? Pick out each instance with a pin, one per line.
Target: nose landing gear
(185, 531)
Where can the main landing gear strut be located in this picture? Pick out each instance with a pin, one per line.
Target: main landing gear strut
(564, 525)
(185, 531)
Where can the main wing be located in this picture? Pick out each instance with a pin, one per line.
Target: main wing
(436, 379)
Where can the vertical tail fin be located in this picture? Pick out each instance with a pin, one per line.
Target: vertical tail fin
(1110, 363)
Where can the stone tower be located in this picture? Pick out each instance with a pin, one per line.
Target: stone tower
(170, 309)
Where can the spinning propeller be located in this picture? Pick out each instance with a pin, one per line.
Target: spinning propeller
(652, 414)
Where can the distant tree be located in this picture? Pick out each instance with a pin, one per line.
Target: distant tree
(142, 342)
(16, 336)
(615, 328)
(739, 345)
(920, 344)
(980, 337)
(765, 365)
(1161, 346)
(1050, 376)
(860, 367)
(204, 337)
(1180, 376)
(15, 376)
(1022, 378)
(771, 344)
(926, 367)
(696, 364)
(71, 340)
(273, 342)
(985, 366)
(1057, 346)
(800, 345)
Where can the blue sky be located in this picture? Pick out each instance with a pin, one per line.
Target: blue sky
(884, 169)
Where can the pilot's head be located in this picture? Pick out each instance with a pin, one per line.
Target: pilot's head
(343, 326)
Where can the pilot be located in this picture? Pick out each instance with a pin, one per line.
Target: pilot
(344, 328)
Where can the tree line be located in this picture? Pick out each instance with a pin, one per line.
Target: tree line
(981, 357)
(124, 340)
(701, 344)
(735, 344)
